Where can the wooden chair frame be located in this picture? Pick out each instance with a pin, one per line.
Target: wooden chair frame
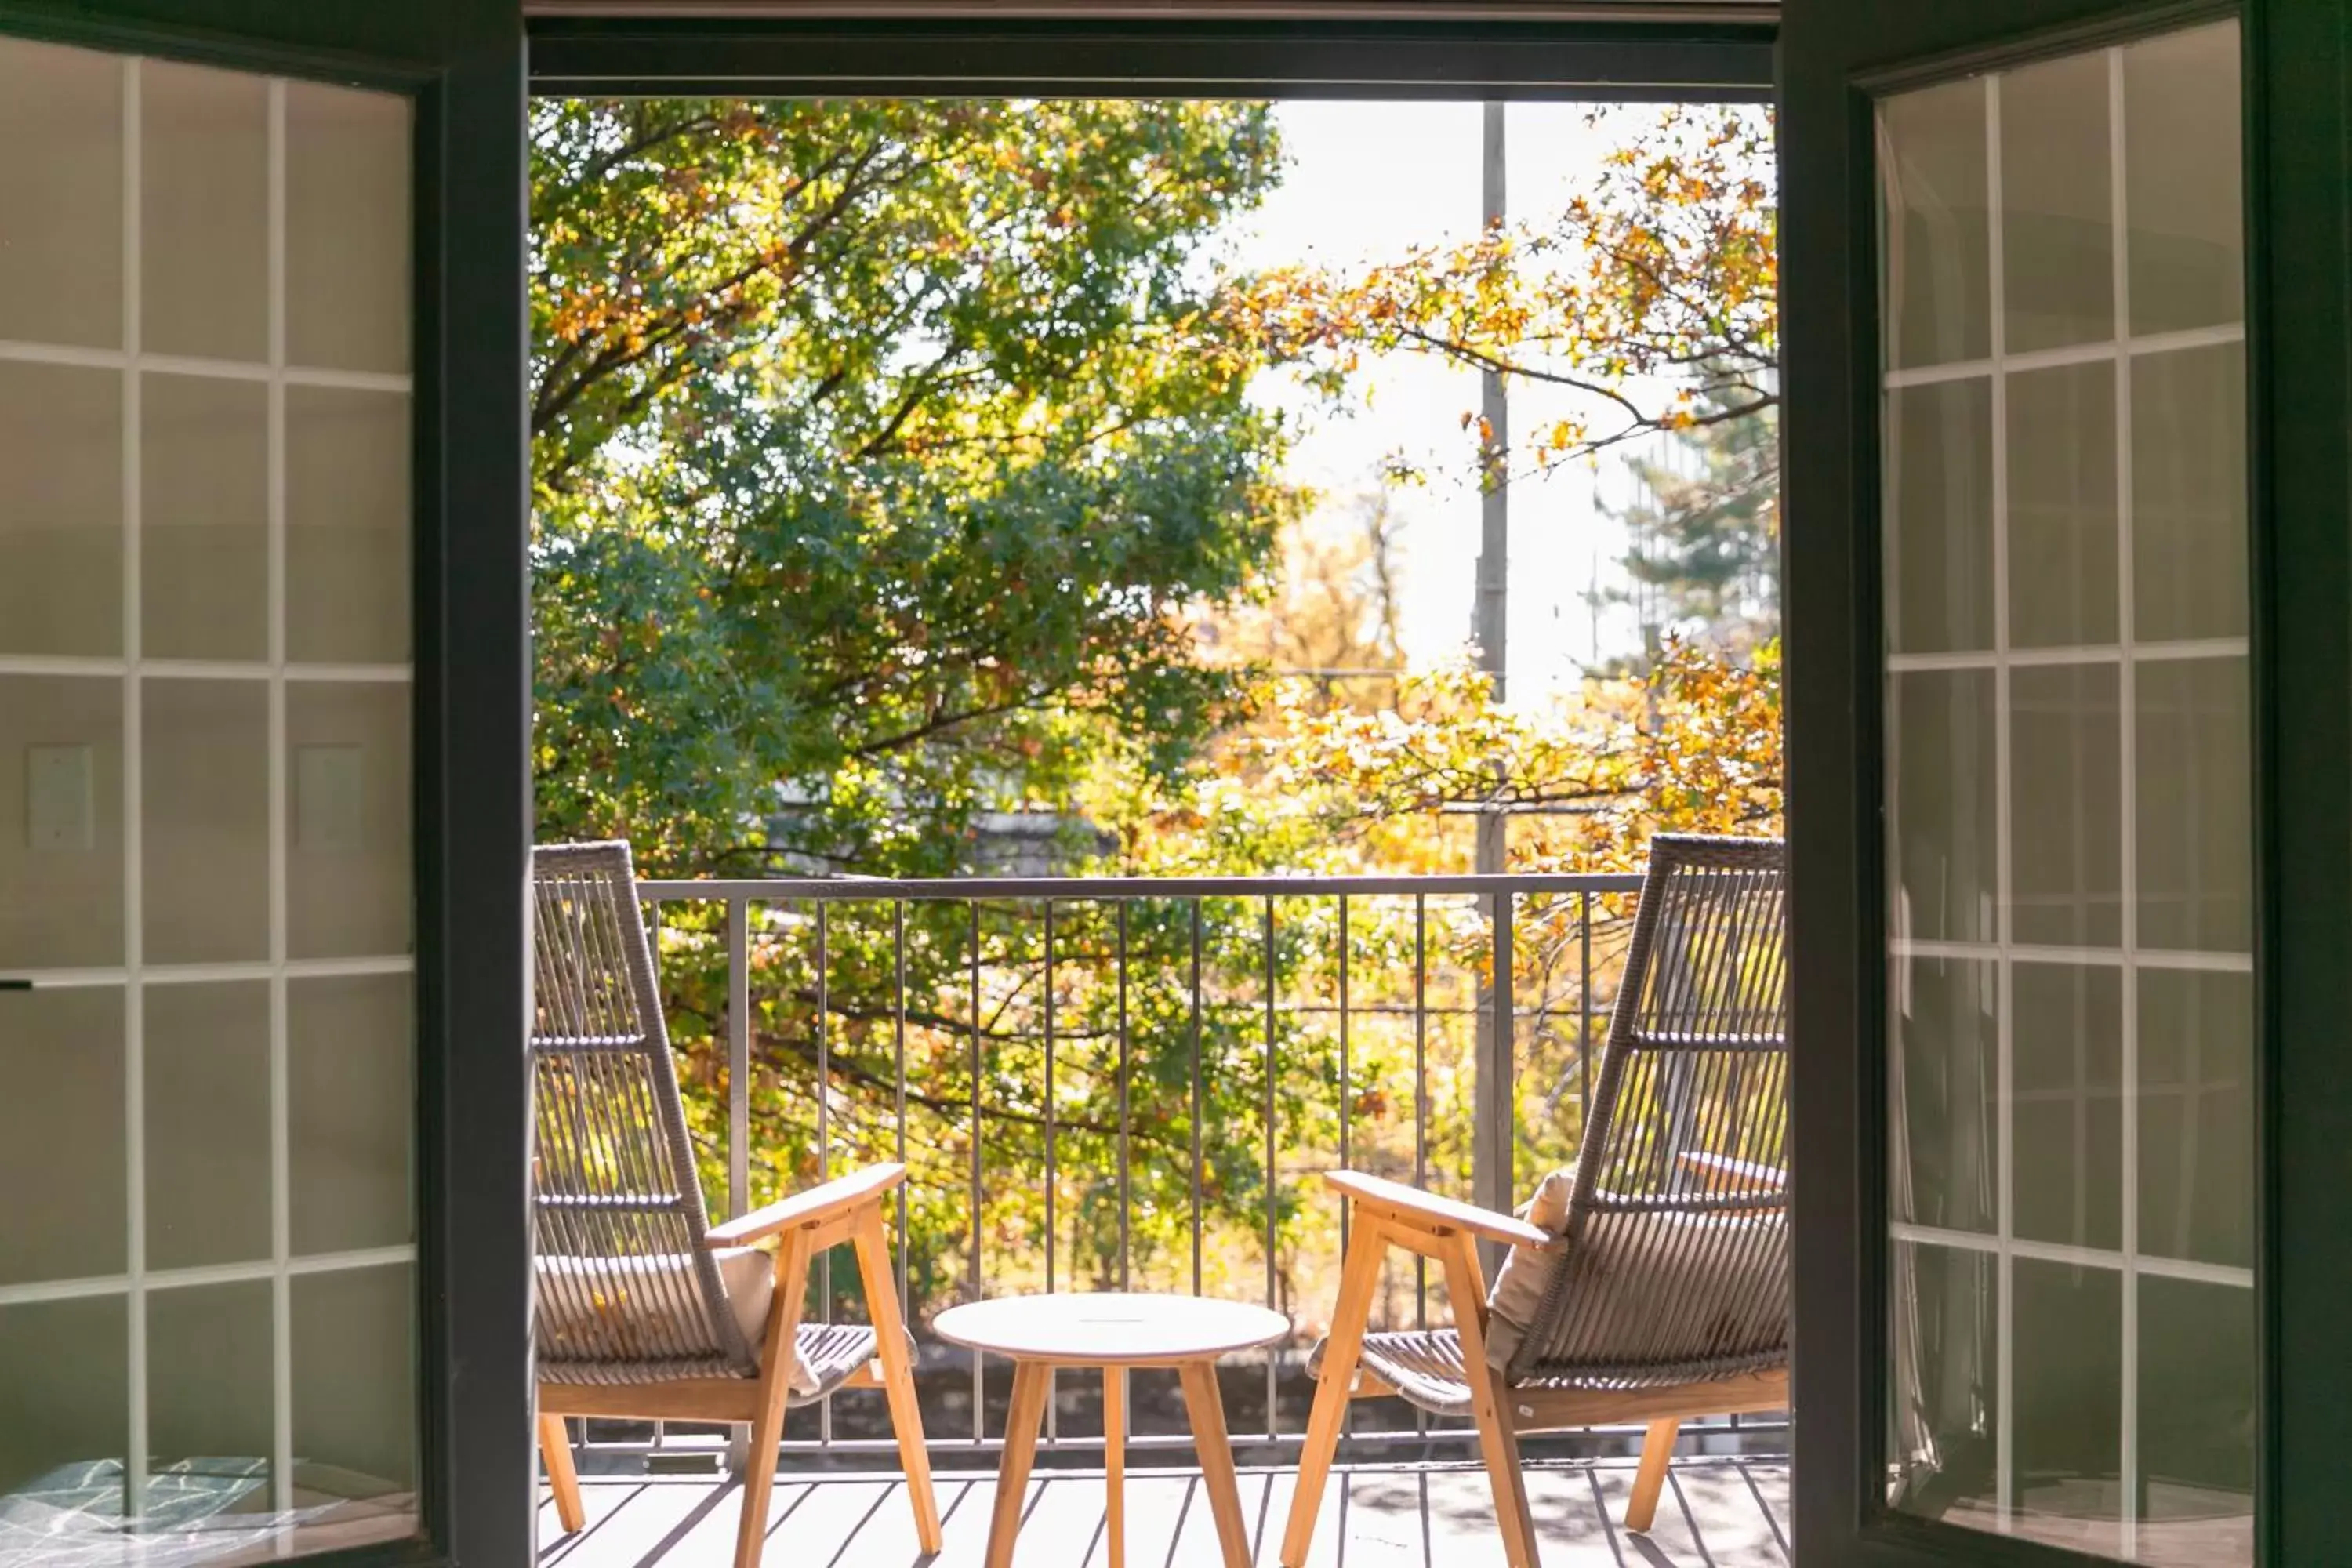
(1385, 1215)
(847, 1211)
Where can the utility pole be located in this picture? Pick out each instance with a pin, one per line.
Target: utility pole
(1494, 1135)
(1490, 618)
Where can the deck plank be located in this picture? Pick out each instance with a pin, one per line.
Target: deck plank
(1717, 1513)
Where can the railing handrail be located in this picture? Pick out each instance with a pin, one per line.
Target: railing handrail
(963, 889)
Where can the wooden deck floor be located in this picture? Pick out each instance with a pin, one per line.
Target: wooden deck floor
(1719, 1513)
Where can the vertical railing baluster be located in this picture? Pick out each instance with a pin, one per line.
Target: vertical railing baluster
(1420, 1108)
(1124, 1146)
(1584, 1016)
(1196, 1096)
(739, 1056)
(1347, 1109)
(1347, 1112)
(899, 990)
(1503, 1103)
(979, 1415)
(1270, 1005)
(823, 1141)
(1051, 1175)
(1053, 1421)
(654, 944)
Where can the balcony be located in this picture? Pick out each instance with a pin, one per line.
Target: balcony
(1136, 1082)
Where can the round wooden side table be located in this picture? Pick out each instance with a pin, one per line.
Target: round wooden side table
(1114, 1331)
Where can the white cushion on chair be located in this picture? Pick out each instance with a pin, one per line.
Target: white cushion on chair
(748, 1274)
(1519, 1284)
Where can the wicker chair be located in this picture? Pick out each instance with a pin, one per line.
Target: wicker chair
(1667, 1295)
(644, 1309)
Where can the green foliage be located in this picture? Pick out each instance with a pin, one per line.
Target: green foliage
(880, 447)
(883, 451)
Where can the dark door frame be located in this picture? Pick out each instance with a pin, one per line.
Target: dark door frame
(1073, 57)
(2299, 372)
(462, 62)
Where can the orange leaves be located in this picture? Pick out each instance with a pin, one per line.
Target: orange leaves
(1316, 785)
(1664, 263)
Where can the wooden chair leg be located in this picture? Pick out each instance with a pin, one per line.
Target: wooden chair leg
(1205, 1404)
(1031, 1380)
(1360, 1279)
(881, 1284)
(1498, 1438)
(1650, 1480)
(778, 1352)
(1115, 1463)
(555, 1451)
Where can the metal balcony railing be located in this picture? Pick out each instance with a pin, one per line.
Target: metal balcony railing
(1505, 979)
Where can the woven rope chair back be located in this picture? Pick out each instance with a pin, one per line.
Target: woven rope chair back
(1677, 1262)
(627, 1291)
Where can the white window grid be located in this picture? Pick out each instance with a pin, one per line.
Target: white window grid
(2125, 655)
(282, 1266)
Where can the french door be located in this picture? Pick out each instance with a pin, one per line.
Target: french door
(249, 484)
(2062, 907)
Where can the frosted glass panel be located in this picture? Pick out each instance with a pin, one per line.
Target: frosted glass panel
(352, 1082)
(207, 1097)
(203, 185)
(2188, 493)
(61, 822)
(1946, 1399)
(2068, 1101)
(2066, 749)
(347, 243)
(2198, 1375)
(204, 755)
(2068, 1385)
(203, 557)
(207, 794)
(2185, 237)
(347, 870)
(60, 509)
(354, 1377)
(61, 178)
(2196, 884)
(2057, 204)
(1945, 1082)
(347, 509)
(1940, 782)
(2196, 1116)
(65, 1141)
(2062, 524)
(1940, 507)
(1931, 147)
(2067, 809)
(209, 1416)
(65, 1384)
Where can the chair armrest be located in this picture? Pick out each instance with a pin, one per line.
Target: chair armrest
(813, 1207)
(1424, 1211)
(1764, 1177)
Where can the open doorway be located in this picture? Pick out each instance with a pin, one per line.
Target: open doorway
(1061, 595)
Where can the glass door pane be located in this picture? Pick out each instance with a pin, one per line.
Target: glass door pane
(2069, 837)
(208, 1255)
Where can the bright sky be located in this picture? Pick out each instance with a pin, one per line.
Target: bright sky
(1365, 183)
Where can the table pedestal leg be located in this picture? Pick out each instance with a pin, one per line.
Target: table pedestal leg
(1030, 1381)
(1115, 1462)
(1207, 1408)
